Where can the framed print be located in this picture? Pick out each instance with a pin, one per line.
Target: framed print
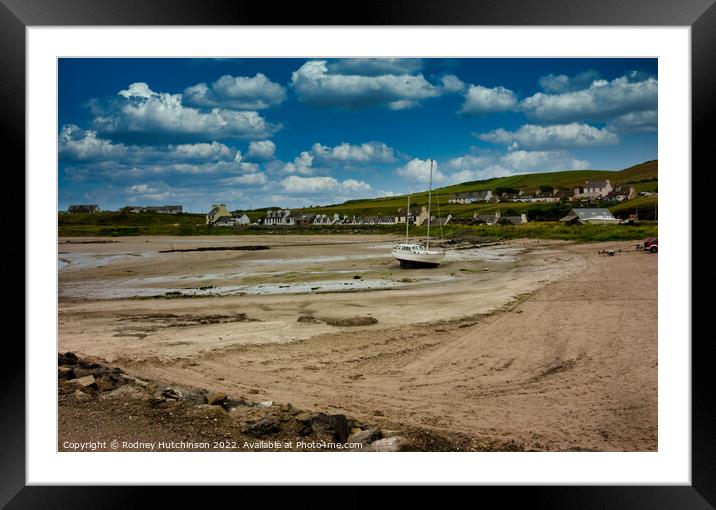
(420, 247)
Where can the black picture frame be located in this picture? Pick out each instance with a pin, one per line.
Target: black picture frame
(700, 15)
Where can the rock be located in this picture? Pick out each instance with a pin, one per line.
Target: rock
(391, 444)
(216, 399)
(127, 391)
(334, 425)
(89, 364)
(209, 412)
(169, 392)
(65, 373)
(86, 381)
(231, 403)
(253, 391)
(265, 405)
(138, 381)
(68, 358)
(389, 433)
(105, 383)
(195, 398)
(81, 395)
(364, 436)
(308, 319)
(265, 426)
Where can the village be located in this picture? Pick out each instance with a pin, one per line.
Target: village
(590, 206)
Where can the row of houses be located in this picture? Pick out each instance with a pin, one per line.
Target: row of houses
(591, 190)
(135, 209)
(283, 217)
(160, 209)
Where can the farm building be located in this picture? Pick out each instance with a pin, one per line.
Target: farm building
(217, 212)
(83, 208)
(580, 216)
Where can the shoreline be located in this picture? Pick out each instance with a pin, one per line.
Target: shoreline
(480, 364)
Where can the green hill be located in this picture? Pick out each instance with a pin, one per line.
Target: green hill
(644, 177)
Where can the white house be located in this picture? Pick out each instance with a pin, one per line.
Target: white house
(279, 217)
(217, 212)
(594, 189)
(470, 198)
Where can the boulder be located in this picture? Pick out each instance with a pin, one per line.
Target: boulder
(105, 383)
(194, 398)
(171, 393)
(85, 382)
(65, 373)
(335, 426)
(216, 398)
(68, 358)
(138, 382)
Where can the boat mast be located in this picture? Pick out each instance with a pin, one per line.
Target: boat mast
(407, 220)
(430, 190)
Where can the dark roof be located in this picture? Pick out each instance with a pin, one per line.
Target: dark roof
(83, 208)
(570, 217)
(592, 213)
(596, 184)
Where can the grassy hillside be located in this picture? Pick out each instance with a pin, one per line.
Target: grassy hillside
(643, 177)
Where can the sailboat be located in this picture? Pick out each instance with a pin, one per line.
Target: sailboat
(413, 255)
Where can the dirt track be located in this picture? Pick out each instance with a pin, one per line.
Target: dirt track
(556, 350)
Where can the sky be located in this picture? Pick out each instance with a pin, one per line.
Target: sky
(259, 132)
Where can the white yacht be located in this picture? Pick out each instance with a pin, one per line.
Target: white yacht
(413, 255)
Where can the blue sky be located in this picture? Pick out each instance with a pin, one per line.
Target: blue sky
(296, 132)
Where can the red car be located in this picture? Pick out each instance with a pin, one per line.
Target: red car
(651, 244)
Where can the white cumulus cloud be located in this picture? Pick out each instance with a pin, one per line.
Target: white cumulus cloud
(262, 150)
(601, 100)
(239, 92)
(250, 179)
(325, 184)
(143, 111)
(315, 84)
(559, 83)
(555, 136)
(418, 170)
(521, 161)
(369, 152)
(302, 164)
(479, 99)
(646, 121)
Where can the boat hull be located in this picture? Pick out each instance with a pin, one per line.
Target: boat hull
(418, 260)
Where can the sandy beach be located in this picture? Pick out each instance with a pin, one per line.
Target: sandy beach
(546, 343)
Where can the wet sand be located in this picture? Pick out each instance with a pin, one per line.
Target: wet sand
(545, 342)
